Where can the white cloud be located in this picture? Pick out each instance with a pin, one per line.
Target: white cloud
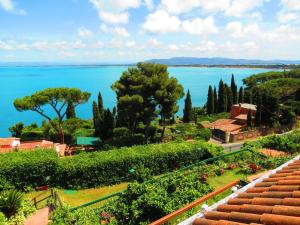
(149, 4)
(161, 22)
(152, 42)
(179, 6)
(5, 46)
(114, 11)
(235, 29)
(119, 31)
(239, 8)
(85, 33)
(173, 47)
(200, 26)
(130, 44)
(285, 17)
(9, 6)
(114, 18)
(291, 4)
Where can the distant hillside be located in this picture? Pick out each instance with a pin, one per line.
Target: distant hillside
(220, 61)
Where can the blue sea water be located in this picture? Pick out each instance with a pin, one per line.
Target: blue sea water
(21, 81)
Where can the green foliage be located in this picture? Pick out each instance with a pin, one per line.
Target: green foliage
(104, 120)
(210, 101)
(31, 169)
(222, 97)
(16, 130)
(58, 99)
(229, 98)
(70, 112)
(2, 218)
(141, 91)
(272, 75)
(288, 143)
(234, 91)
(215, 100)
(249, 118)
(61, 216)
(25, 210)
(281, 88)
(10, 202)
(146, 202)
(23, 169)
(187, 111)
(241, 95)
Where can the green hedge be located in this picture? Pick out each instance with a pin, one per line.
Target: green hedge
(99, 168)
(23, 169)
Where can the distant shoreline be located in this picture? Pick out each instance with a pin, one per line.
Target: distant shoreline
(191, 65)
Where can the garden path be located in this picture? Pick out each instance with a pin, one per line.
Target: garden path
(40, 217)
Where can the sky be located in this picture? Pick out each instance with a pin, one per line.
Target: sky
(135, 30)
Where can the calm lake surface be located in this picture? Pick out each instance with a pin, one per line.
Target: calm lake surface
(20, 81)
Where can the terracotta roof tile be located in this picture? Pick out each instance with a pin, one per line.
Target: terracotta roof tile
(274, 200)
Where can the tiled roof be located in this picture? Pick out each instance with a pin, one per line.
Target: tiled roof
(273, 199)
(246, 106)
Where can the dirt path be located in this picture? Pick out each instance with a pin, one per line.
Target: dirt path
(40, 217)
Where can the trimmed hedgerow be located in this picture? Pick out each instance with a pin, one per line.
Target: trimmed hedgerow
(85, 170)
(110, 167)
(23, 169)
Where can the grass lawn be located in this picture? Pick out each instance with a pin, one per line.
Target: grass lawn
(79, 197)
(220, 181)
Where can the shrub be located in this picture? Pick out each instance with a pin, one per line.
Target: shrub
(110, 167)
(146, 202)
(23, 169)
(10, 202)
(121, 131)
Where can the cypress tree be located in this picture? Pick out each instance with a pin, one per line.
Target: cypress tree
(210, 101)
(229, 99)
(215, 100)
(222, 105)
(234, 90)
(96, 119)
(258, 111)
(100, 105)
(241, 95)
(70, 112)
(249, 119)
(107, 124)
(187, 111)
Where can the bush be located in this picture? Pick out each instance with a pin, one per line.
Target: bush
(10, 202)
(146, 202)
(21, 169)
(31, 169)
(121, 131)
(204, 134)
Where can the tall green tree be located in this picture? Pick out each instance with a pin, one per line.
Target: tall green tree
(187, 111)
(258, 110)
(70, 111)
(100, 104)
(229, 99)
(270, 109)
(234, 90)
(57, 99)
(143, 89)
(215, 100)
(210, 101)
(241, 95)
(222, 98)
(249, 118)
(97, 119)
(104, 120)
(166, 98)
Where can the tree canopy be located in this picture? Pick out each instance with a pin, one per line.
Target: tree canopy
(59, 99)
(143, 93)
